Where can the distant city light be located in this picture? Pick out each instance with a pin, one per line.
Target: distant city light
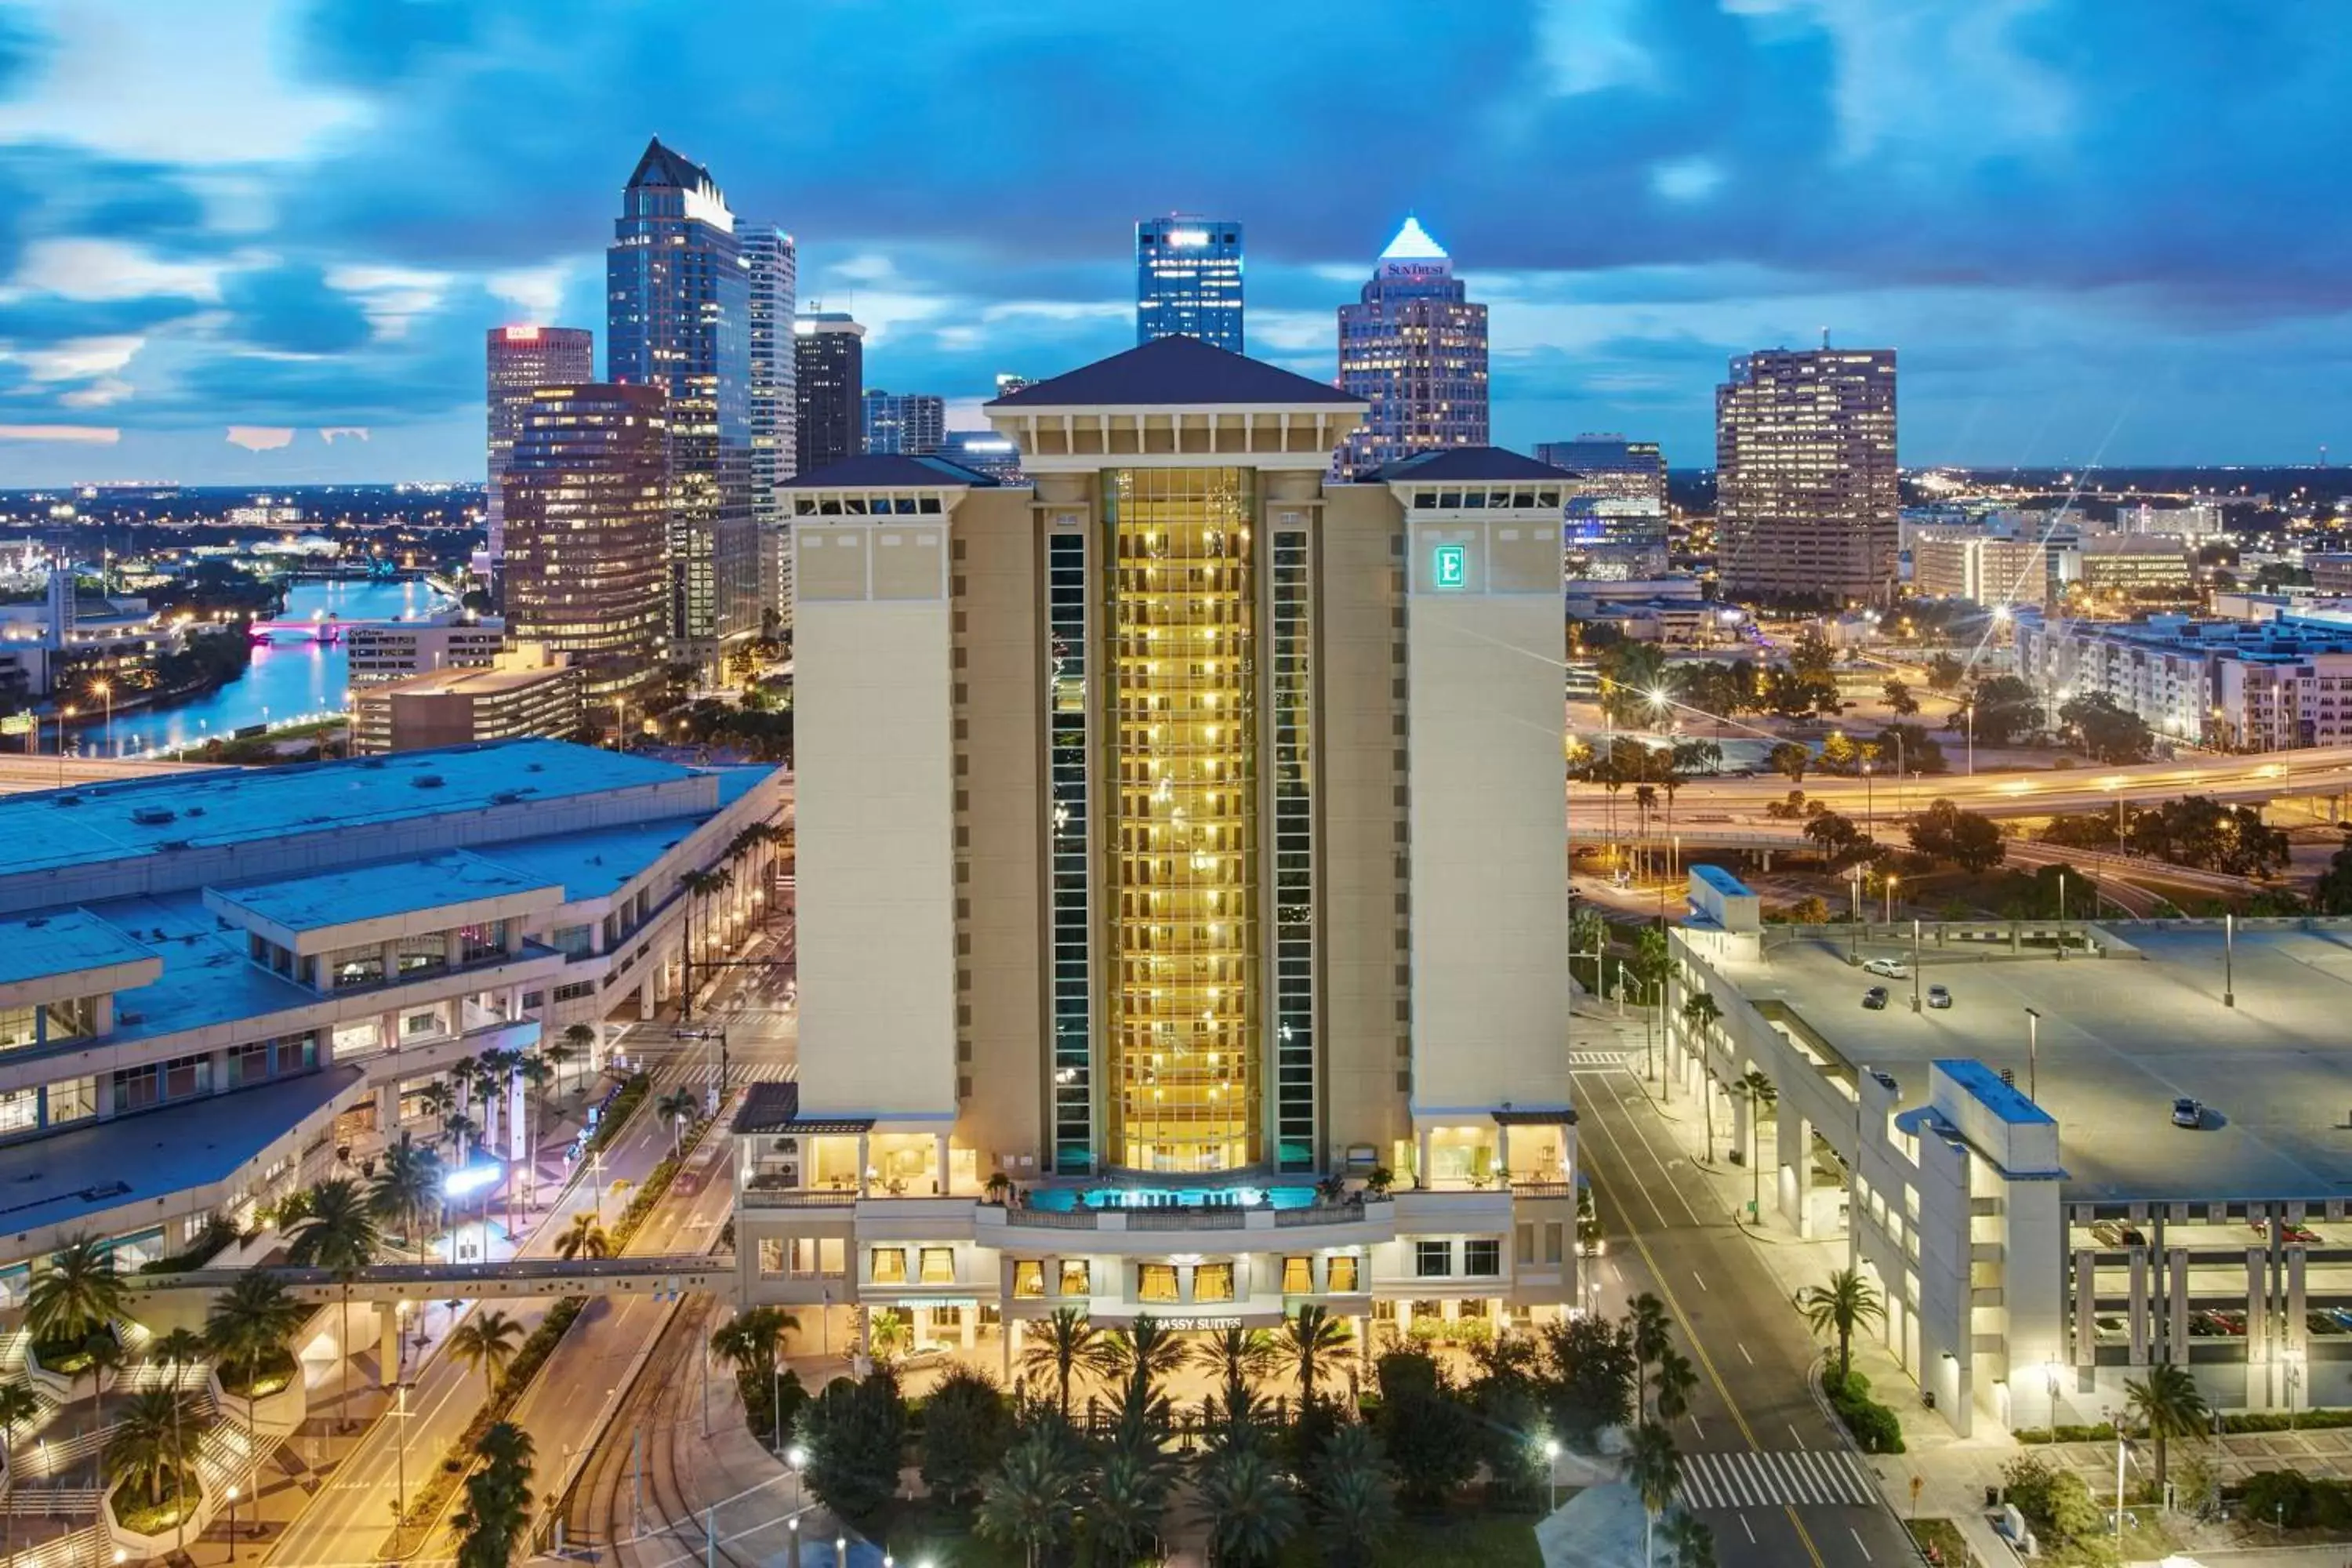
(1188, 237)
(521, 334)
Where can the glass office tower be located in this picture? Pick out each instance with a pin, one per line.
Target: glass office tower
(1187, 280)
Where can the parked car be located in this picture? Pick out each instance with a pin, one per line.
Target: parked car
(1874, 998)
(1893, 968)
(2114, 1233)
(2110, 1323)
(2187, 1112)
(1938, 996)
(2301, 1235)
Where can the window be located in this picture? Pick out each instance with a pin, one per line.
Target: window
(939, 1265)
(1156, 1282)
(574, 991)
(1526, 1251)
(358, 1040)
(1028, 1279)
(889, 1266)
(1076, 1279)
(19, 1028)
(20, 1110)
(1297, 1276)
(1554, 1233)
(1214, 1282)
(1339, 1274)
(772, 1258)
(1482, 1259)
(809, 1256)
(574, 941)
(482, 942)
(1432, 1259)
(422, 1024)
(532, 1001)
(248, 1064)
(354, 966)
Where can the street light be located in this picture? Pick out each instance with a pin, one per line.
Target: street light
(2033, 1053)
(232, 1521)
(1891, 880)
(797, 1458)
(1551, 1463)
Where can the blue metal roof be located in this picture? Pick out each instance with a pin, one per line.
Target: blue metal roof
(1173, 372)
(2005, 1100)
(1458, 463)
(889, 471)
(353, 893)
(1722, 882)
(61, 942)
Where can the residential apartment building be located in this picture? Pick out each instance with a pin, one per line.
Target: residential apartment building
(212, 983)
(1805, 482)
(2234, 685)
(1176, 831)
(520, 360)
(1413, 348)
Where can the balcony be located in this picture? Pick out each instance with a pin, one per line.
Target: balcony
(1153, 1230)
(759, 1198)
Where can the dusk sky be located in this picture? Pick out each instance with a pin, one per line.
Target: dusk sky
(259, 241)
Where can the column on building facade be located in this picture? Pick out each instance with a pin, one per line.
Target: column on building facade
(2139, 1306)
(387, 1346)
(2258, 1329)
(1795, 1156)
(943, 1186)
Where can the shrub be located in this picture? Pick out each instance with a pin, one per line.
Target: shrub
(1874, 1426)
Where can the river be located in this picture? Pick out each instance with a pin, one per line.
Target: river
(286, 682)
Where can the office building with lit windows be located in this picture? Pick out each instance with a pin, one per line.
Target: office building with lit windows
(520, 360)
(1187, 280)
(1182, 876)
(587, 516)
(911, 423)
(1806, 505)
(680, 308)
(1413, 348)
(829, 388)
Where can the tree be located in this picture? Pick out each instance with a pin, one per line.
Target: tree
(2167, 1402)
(2106, 731)
(1899, 699)
(1836, 837)
(2005, 707)
(406, 1188)
(1652, 1335)
(1910, 748)
(1314, 1343)
(1690, 1541)
(79, 1293)
(1032, 1500)
(752, 1343)
(248, 1325)
(1636, 684)
(1237, 1356)
(148, 1448)
(497, 1499)
(176, 1352)
(341, 1236)
(1142, 1354)
(1840, 754)
(1251, 1511)
(583, 1238)
(1945, 672)
(103, 1351)
(2332, 894)
(1353, 1495)
(679, 1108)
(1063, 1348)
(18, 1407)
(1429, 1434)
(582, 1039)
(1592, 1376)
(966, 1426)
(853, 1430)
(486, 1342)
(1847, 1302)
(1672, 1383)
(1968, 839)
(1655, 1471)
(1791, 758)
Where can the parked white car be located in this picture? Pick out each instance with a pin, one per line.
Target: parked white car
(1892, 968)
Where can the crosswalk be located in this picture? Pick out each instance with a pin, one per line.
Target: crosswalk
(705, 1074)
(1621, 1061)
(1802, 1476)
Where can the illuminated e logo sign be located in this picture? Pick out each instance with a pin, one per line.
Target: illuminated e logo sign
(1452, 566)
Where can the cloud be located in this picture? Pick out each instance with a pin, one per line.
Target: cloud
(334, 433)
(1687, 178)
(260, 438)
(99, 394)
(85, 269)
(80, 358)
(536, 292)
(295, 310)
(71, 435)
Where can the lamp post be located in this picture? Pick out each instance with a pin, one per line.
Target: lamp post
(2229, 959)
(105, 688)
(400, 1412)
(2049, 1370)
(1552, 1464)
(2033, 1053)
(232, 1521)
(1891, 880)
(797, 1459)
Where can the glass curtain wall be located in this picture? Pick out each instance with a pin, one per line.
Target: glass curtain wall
(1181, 598)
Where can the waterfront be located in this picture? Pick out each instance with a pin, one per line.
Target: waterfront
(285, 681)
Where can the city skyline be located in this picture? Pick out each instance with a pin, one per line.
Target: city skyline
(258, 280)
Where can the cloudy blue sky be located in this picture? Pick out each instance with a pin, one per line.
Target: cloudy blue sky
(260, 240)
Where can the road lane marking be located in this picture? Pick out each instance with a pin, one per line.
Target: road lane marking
(1798, 1436)
(1700, 1277)
(1857, 1540)
(1743, 1352)
(1699, 1349)
(1748, 1527)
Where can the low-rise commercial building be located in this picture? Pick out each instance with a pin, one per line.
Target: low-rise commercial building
(1982, 566)
(217, 986)
(394, 650)
(2014, 1171)
(524, 694)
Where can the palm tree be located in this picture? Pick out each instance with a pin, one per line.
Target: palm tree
(457, 1129)
(438, 1098)
(1251, 1511)
(1354, 1494)
(700, 887)
(249, 1324)
(1843, 1305)
(1062, 1347)
(79, 1291)
(678, 1108)
(579, 1044)
(406, 1188)
(753, 1339)
(1651, 1339)
(1129, 1495)
(147, 1447)
(1690, 1541)
(179, 1349)
(2170, 1405)
(18, 1406)
(1238, 1356)
(1143, 1352)
(1671, 1386)
(1314, 1343)
(105, 1354)
(585, 1237)
(534, 1070)
(341, 1236)
(1761, 1095)
(1652, 1465)
(485, 1342)
(1030, 1502)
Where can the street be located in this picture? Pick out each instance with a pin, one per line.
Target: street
(1762, 1462)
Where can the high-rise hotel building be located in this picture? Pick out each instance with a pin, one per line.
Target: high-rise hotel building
(1413, 347)
(1183, 874)
(1807, 506)
(520, 360)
